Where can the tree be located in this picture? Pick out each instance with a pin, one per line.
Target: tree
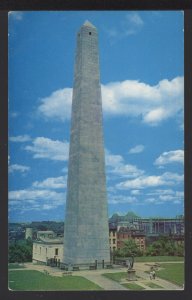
(130, 248)
(164, 246)
(21, 251)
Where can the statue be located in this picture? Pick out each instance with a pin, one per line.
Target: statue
(130, 272)
(130, 262)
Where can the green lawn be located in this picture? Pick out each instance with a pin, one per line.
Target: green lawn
(158, 258)
(173, 272)
(153, 285)
(133, 286)
(37, 281)
(116, 276)
(15, 266)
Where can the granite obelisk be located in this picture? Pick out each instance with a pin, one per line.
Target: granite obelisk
(86, 233)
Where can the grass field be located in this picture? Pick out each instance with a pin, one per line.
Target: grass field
(173, 272)
(15, 266)
(153, 285)
(133, 286)
(158, 258)
(116, 276)
(37, 281)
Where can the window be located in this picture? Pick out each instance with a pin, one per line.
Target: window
(56, 251)
(113, 241)
(113, 233)
(40, 250)
(89, 33)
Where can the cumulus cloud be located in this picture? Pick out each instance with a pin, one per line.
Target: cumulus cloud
(164, 196)
(176, 156)
(32, 199)
(49, 149)
(18, 168)
(137, 149)
(51, 183)
(153, 104)
(20, 138)
(117, 166)
(57, 105)
(144, 181)
(131, 98)
(30, 194)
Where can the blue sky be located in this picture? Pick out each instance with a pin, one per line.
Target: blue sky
(141, 65)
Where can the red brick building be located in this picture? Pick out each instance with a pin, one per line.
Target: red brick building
(125, 234)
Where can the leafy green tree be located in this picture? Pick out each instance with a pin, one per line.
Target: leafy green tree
(164, 246)
(130, 248)
(21, 251)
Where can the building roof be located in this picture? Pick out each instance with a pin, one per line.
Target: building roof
(45, 231)
(46, 240)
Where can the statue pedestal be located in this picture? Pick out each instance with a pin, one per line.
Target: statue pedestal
(131, 275)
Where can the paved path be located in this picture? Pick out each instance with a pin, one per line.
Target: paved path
(102, 281)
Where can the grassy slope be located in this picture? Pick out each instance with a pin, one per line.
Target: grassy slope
(37, 281)
(153, 285)
(116, 276)
(158, 258)
(15, 266)
(133, 286)
(173, 272)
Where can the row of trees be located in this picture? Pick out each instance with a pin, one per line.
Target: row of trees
(21, 251)
(163, 246)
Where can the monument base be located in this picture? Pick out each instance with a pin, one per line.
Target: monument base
(85, 266)
(131, 275)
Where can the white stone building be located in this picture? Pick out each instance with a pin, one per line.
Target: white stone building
(47, 246)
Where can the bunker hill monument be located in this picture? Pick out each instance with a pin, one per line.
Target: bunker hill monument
(86, 234)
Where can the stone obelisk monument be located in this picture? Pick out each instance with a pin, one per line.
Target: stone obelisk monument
(86, 233)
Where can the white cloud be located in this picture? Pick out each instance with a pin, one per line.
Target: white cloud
(135, 192)
(32, 199)
(130, 98)
(20, 138)
(57, 105)
(135, 19)
(137, 149)
(176, 156)
(151, 181)
(164, 196)
(49, 149)
(116, 165)
(18, 168)
(130, 25)
(51, 183)
(153, 103)
(117, 199)
(16, 15)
